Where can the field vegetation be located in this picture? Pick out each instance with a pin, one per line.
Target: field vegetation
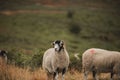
(27, 29)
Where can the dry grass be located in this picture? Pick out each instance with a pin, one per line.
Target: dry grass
(12, 72)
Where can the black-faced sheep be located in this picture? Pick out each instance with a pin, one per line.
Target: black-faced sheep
(56, 60)
(3, 56)
(101, 61)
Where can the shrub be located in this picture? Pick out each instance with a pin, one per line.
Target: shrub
(17, 57)
(70, 14)
(36, 59)
(74, 28)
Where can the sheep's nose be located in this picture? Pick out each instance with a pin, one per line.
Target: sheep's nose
(55, 49)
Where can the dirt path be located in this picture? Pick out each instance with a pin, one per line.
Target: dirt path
(9, 12)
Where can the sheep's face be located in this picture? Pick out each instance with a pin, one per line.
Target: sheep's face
(58, 45)
(3, 53)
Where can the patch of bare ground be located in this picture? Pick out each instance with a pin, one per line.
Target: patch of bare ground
(9, 12)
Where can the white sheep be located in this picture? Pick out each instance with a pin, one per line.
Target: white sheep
(56, 60)
(101, 61)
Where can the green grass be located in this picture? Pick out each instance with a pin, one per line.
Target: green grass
(30, 32)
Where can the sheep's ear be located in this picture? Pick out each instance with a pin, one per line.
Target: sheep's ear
(62, 42)
(52, 43)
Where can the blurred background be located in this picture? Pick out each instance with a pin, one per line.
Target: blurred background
(28, 27)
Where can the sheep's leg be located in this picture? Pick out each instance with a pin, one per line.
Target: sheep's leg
(49, 76)
(95, 75)
(55, 76)
(111, 77)
(63, 72)
(119, 76)
(85, 75)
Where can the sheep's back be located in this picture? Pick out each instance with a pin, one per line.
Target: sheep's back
(100, 59)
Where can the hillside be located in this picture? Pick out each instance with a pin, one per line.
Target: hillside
(33, 26)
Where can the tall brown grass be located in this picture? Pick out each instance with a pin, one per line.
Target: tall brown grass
(12, 72)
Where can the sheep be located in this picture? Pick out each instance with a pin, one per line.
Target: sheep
(3, 56)
(100, 61)
(56, 60)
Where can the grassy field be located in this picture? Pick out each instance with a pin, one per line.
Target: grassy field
(27, 30)
(98, 28)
